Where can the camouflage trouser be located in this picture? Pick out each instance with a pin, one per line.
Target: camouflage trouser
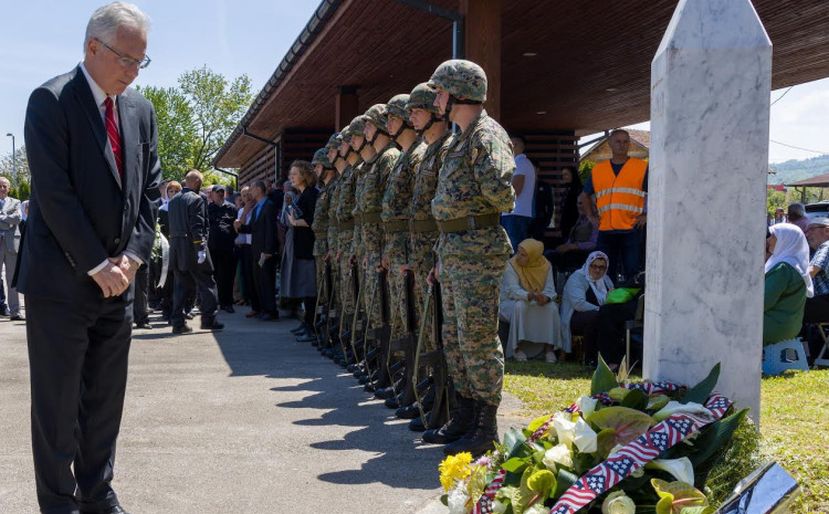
(372, 248)
(320, 264)
(395, 250)
(470, 285)
(346, 290)
(422, 260)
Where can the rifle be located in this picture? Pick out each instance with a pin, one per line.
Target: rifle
(381, 334)
(328, 280)
(435, 359)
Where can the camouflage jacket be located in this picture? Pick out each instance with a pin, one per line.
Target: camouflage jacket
(397, 199)
(370, 193)
(320, 223)
(333, 198)
(426, 178)
(345, 194)
(476, 179)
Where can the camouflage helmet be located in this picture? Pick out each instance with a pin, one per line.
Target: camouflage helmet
(422, 97)
(357, 126)
(461, 79)
(377, 114)
(321, 157)
(397, 106)
(334, 141)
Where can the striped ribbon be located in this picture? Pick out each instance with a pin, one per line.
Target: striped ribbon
(625, 461)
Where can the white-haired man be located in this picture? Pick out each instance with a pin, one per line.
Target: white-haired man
(91, 144)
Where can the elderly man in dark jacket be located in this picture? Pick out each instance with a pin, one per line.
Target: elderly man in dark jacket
(190, 258)
(221, 215)
(262, 227)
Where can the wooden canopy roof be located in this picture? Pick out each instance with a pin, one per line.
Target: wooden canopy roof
(579, 65)
(816, 181)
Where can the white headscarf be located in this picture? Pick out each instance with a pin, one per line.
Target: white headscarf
(791, 248)
(599, 286)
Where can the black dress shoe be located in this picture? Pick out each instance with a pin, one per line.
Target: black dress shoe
(115, 509)
(211, 324)
(17, 317)
(143, 325)
(182, 329)
(229, 309)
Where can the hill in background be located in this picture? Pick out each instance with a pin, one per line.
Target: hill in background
(792, 171)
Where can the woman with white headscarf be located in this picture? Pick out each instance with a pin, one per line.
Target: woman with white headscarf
(585, 292)
(527, 294)
(788, 283)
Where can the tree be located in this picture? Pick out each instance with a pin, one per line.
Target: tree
(17, 171)
(196, 117)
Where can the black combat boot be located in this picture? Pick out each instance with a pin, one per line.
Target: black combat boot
(485, 435)
(461, 421)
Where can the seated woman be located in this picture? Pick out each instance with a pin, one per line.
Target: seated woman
(585, 292)
(788, 283)
(527, 295)
(580, 242)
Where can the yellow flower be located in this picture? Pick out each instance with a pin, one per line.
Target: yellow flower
(454, 468)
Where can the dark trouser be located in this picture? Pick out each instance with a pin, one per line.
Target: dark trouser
(585, 324)
(611, 329)
(517, 228)
(623, 248)
(224, 264)
(567, 261)
(264, 280)
(140, 308)
(186, 284)
(310, 307)
(78, 365)
(249, 289)
(3, 306)
(817, 311)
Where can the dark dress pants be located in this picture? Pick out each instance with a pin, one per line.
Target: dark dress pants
(187, 284)
(264, 280)
(611, 329)
(251, 295)
(585, 324)
(78, 364)
(224, 264)
(141, 309)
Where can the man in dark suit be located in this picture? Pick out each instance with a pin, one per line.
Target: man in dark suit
(221, 215)
(190, 258)
(263, 248)
(91, 145)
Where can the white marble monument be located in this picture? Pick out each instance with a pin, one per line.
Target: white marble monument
(710, 85)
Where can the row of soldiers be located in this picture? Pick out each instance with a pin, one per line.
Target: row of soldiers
(410, 255)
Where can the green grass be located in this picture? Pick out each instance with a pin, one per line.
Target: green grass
(794, 422)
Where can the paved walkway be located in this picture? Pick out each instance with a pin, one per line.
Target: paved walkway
(246, 420)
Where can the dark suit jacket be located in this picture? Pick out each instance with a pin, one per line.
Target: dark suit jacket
(188, 231)
(262, 231)
(80, 213)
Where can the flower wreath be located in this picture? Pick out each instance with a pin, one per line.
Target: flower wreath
(627, 446)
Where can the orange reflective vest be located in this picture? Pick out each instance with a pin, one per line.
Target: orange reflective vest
(619, 198)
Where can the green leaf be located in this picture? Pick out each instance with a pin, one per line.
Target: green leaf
(564, 480)
(635, 399)
(700, 392)
(656, 403)
(444, 499)
(628, 424)
(514, 441)
(515, 465)
(618, 393)
(712, 443)
(698, 510)
(676, 496)
(605, 441)
(603, 379)
(536, 423)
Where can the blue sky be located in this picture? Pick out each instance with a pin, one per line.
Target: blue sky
(42, 38)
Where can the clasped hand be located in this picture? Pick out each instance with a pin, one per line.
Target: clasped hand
(116, 276)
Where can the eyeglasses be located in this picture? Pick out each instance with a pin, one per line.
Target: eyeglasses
(127, 62)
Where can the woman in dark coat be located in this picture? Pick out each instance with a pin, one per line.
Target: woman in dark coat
(298, 275)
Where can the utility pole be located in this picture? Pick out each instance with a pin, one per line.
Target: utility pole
(14, 158)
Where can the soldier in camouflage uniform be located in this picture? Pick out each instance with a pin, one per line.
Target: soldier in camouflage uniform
(474, 188)
(424, 231)
(339, 163)
(397, 200)
(325, 175)
(369, 205)
(345, 220)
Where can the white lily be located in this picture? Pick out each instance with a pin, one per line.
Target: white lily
(587, 405)
(498, 507)
(457, 499)
(575, 432)
(682, 469)
(675, 407)
(538, 508)
(558, 454)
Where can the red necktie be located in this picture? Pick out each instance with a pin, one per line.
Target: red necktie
(114, 136)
